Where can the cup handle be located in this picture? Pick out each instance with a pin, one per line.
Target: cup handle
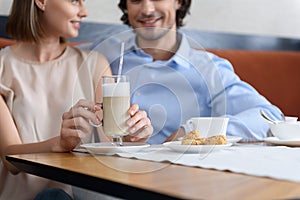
(189, 124)
(100, 104)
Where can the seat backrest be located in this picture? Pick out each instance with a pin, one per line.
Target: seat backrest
(274, 74)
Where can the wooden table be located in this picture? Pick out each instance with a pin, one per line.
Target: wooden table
(131, 178)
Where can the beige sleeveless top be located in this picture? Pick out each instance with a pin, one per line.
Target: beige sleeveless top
(37, 94)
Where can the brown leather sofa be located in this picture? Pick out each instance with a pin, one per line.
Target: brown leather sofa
(270, 64)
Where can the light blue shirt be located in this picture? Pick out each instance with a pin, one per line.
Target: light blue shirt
(192, 83)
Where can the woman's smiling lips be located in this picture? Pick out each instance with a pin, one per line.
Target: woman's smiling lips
(76, 24)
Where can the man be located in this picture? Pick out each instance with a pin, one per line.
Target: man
(173, 81)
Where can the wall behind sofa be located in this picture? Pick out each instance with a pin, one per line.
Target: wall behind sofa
(262, 17)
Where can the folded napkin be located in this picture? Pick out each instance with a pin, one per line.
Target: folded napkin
(276, 162)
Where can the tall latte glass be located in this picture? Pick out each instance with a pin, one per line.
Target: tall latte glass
(116, 102)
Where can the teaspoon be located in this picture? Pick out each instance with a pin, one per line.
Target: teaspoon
(267, 118)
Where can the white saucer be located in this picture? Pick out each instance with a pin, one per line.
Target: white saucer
(275, 140)
(109, 148)
(178, 147)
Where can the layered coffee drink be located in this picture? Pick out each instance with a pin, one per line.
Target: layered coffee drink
(116, 102)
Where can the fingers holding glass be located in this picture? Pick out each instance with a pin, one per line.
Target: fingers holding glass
(140, 127)
(85, 110)
(75, 127)
(96, 121)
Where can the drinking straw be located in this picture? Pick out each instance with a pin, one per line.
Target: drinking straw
(121, 61)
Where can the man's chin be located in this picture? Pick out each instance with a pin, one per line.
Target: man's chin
(151, 33)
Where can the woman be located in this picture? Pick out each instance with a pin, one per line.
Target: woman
(40, 79)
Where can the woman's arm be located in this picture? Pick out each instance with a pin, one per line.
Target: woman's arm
(8, 133)
(74, 127)
(10, 142)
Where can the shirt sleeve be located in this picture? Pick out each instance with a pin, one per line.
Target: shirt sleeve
(242, 105)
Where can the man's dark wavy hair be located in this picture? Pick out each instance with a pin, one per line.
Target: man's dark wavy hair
(180, 13)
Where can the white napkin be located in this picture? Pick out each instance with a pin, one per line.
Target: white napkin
(276, 162)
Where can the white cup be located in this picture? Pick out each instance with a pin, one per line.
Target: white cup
(208, 126)
(286, 130)
(291, 119)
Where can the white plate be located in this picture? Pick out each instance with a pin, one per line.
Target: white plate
(275, 140)
(109, 148)
(230, 139)
(177, 146)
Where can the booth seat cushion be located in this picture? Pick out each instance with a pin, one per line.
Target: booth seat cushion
(275, 74)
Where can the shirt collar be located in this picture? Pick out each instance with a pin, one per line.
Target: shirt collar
(181, 57)
(132, 45)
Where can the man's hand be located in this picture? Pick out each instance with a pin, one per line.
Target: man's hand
(139, 124)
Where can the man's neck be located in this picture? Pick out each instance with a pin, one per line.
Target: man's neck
(161, 49)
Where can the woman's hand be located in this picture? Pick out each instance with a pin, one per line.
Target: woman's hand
(140, 128)
(75, 124)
